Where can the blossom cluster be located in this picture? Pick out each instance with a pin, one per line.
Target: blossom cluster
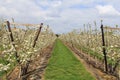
(22, 45)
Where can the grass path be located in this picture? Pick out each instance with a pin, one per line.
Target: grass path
(64, 66)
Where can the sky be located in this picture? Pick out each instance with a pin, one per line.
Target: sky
(62, 15)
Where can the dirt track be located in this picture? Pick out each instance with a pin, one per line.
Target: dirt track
(36, 68)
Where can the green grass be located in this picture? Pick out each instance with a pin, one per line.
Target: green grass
(5, 62)
(63, 65)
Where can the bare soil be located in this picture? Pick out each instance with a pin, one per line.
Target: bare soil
(36, 68)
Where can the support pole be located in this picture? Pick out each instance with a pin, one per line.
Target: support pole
(36, 38)
(12, 40)
(104, 50)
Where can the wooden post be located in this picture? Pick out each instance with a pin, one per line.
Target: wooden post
(104, 50)
(36, 38)
(12, 40)
(9, 29)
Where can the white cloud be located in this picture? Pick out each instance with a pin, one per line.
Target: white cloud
(57, 3)
(59, 14)
(107, 10)
(8, 12)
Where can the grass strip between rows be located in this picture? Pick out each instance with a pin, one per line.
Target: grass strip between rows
(63, 65)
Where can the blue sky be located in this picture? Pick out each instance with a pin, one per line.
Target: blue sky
(62, 15)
